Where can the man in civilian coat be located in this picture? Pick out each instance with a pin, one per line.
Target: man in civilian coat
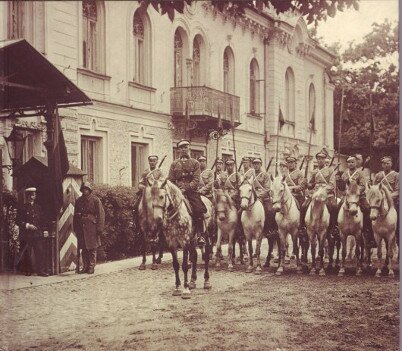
(89, 221)
(33, 230)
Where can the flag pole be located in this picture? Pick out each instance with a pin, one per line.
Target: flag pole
(234, 144)
(309, 150)
(340, 127)
(277, 141)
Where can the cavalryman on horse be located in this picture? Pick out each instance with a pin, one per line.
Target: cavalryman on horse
(248, 170)
(206, 185)
(185, 174)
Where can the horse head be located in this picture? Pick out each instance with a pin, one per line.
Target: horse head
(278, 193)
(246, 194)
(159, 200)
(320, 195)
(375, 199)
(222, 204)
(352, 196)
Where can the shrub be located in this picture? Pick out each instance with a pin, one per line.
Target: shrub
(10, 228)
(119, 239)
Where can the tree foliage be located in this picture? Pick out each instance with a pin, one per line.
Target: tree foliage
(364, 70)
(313, 11)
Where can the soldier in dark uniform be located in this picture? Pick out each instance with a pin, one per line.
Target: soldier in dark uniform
(33, 229)
(390, 179)
(323, 176)
(185, 173)
(296, 183)
(354, 173)
(89, 221)
(206, 185)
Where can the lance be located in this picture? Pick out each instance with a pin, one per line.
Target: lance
(340, 126)
(213, 165)
(366, 162)
(234, 145)
(269, 164)
(301, 165)
(160, 163)
(241, 162)
(332, 161)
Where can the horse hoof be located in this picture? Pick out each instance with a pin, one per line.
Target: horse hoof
(391, 274)
(258, 270)
(192, 285)
(341, 273)
(287, 260)
(312, 272)
(359, 272)
(207, 285)
(276, 260)
(154, 266)
(176, 292)
(278, 273)
(321, 273)
(158, 260)
(299, 270)
(378, 273)
(230, 268)
(249, 269)
(218, 265)
(142, 267)
(186, 294)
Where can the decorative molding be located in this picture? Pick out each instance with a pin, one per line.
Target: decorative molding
(93, 74)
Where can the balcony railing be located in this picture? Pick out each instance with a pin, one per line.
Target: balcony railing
(204, 102)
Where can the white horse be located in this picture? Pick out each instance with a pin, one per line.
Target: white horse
(252, 220)
(350, 222)
(383, 218)
(317, 222)
(171, 211)
(287, 218)
(226, 216)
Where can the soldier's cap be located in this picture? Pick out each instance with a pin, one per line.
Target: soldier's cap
(30, 189)
(386, 159)
(86, 185)
(246, 158)
(202, 158)
(327, 159)
(183, 142)
(351, 158)
(219, 160)
(283, 163)
(257, 160)
(291, 159)
(321, 154)
(359, 157)
(153, 158)
(229, 162)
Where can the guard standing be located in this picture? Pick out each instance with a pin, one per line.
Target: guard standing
(185, 173)
(89, 221)
(33, 229)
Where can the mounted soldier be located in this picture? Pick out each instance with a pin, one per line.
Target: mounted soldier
(218, 167)
(296, 183)
(356, 174)
(185, 174)
(248, 170)
(283, 168)
(322, 176)
(390, 179)
(229, 181)
(206, 185)
(360, 166)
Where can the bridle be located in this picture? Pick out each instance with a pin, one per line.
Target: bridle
(284, 201)
(248, 198)
(173, 212)
(381, 208)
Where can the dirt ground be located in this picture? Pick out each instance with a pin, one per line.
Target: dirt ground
(135, 310)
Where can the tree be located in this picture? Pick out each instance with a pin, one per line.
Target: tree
(362, 70)
(313, 11)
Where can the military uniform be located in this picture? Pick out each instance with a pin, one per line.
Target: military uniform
(230, 183)
(31, 214)
(247, 174)
(206, 185)
(297, 184)
(89, 222)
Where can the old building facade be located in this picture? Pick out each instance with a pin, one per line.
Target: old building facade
(154, 81)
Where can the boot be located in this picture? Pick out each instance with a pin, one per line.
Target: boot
(199, 232)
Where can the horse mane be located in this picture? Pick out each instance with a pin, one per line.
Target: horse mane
(353, 188)
(388, 197)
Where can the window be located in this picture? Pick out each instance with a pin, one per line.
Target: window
(178, 60)
(193, 153)
(196, 63)
(311, 106)
(254, 87)
(138, 164)
(141, 48)
(289, 95)
(91, 159)
(228, 71)
(93, 35)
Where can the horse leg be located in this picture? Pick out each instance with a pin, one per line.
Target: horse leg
(186, 294)
(296, 250)
(331, 250)
(342, 268)
(144, 253)
(193, 259)
(281, 252)
(161, 247)
(379, 256)
(218, 249)
(358, 254)
(231, 259)
(176, 267)
(287, 256)
(270, 248)
(313, 240)
(338, 249)
(250, 256)
(390, 254)
(258, 252)
(208, 250)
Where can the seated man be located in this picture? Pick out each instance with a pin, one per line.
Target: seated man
(248, 170)
(185, 173)
(322, 176)
(206, 185)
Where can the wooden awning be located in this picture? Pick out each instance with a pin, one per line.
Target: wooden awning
(29, 82)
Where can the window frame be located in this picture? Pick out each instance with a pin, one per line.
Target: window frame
(97, 166)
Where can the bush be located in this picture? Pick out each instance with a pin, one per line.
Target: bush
(119, 239)
(10, 228)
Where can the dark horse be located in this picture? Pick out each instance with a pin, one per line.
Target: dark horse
(170, 211)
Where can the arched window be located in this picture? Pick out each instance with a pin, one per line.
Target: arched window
(141, 48)
(178, 59)
(93, 35)
(311, 106)
(289, 95)
(228, 71)
(196, 62)
(254, 87)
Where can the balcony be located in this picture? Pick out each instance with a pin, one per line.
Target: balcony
(204, 106)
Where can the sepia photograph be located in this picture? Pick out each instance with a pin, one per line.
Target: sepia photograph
(202, 175)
